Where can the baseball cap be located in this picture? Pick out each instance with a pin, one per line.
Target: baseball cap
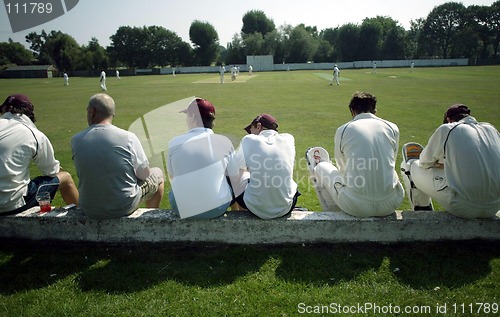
(19, 101)
(456, 109)
(266, 120)
(205, 107)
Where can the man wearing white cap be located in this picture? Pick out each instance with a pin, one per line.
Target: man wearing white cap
(459, 167)
(196, 165)
(268, 158)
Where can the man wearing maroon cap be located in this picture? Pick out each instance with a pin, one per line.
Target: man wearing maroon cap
(196, 165)
(20, 144)
(267, 159)
(459, 167)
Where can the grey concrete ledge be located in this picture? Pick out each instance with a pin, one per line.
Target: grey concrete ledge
(156, 225)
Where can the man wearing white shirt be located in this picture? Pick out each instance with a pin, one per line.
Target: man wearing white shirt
(21, 143)
(336, 75)
(267, 159)
(365, 182)
(196, 165)
(222, 70)
(459, 168)
(102, 80)
(66, 79)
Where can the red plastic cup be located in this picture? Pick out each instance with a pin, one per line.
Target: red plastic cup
(43, 199)
(45, 206)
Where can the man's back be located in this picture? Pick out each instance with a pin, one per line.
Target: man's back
(365, 152)
(472, 160)
(20, 143)
(270, 158)
(104, 158)
(197, 164)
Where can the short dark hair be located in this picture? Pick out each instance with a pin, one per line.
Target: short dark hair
(208, 120)
(363, 102)
(456, 113)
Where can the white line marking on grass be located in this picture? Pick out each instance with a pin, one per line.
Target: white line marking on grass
(227, 79)
(330, 77)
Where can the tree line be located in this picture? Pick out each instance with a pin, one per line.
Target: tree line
(450, 30)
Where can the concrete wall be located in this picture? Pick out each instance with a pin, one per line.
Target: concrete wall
(152, 225)
(261, 63)
(264, 63)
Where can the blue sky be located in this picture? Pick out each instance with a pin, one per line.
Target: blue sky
(101, 18)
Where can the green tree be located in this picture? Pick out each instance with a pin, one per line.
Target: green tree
(330, 35)
(164, 45)
(348, 41)
(302, 45)
(14, 53)
(370, 39)
(441, 28)
(37, 45)
(381, 38)
(478, 19)
(236, 51)
(394, 43)
(128, 46)
(495, 22)
(256, 21)
(94, 56)
(254, 43)
(184, 54)
(413, 35)
(283, 47)
(324, 52)
(206, 41)
(465, 44)
(64, 51)
(271, 43)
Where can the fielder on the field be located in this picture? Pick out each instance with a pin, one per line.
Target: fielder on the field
(222, 70)
(233, 73)
(336, 75)
(459, 168)
(66, 79)
(102, 80)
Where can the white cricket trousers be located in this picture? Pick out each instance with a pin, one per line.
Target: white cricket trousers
(351, 202)
(432, 182)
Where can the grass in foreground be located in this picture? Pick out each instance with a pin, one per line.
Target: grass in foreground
(218, 280)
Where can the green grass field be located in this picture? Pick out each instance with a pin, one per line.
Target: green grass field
(429, 279)
(302, 101)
